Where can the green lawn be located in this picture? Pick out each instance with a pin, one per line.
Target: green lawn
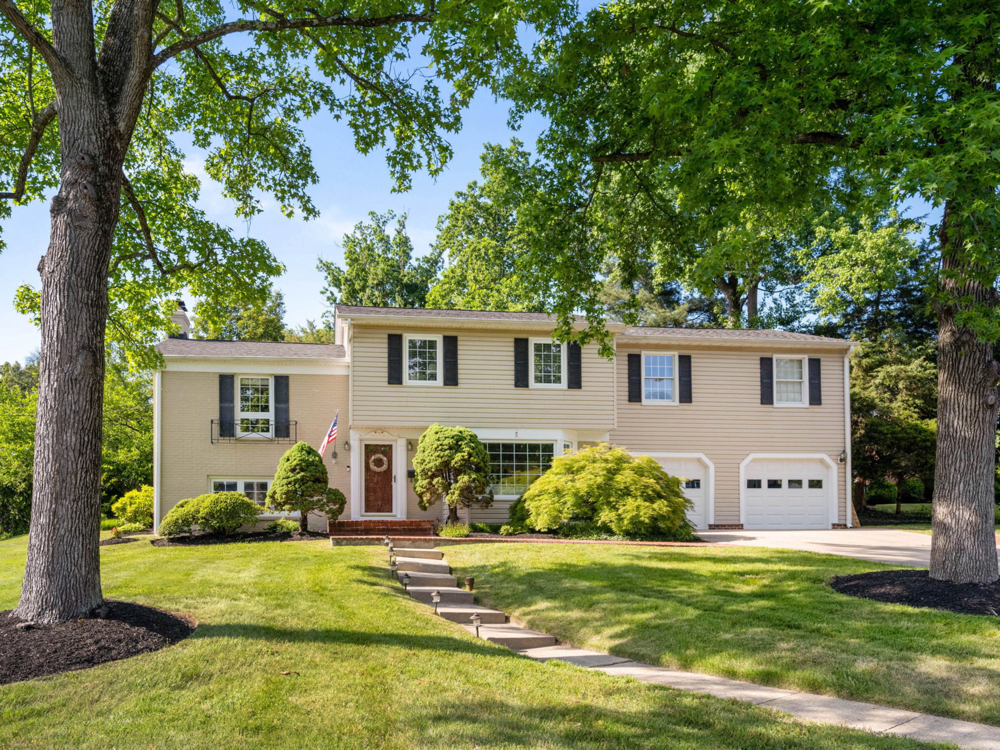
(370, 669)
(754, 614)
(922, 510)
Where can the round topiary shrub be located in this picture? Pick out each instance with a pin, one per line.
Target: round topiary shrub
(224, 512)
(182, 518)
(912, 490)
(135, 507)
(881, 492)
(630, 495)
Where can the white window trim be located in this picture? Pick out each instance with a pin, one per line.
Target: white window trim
(676, 378)
(563, 349)
(241, 415)
(805, 381)
(265, 512)
(556, 451)
(439, 375)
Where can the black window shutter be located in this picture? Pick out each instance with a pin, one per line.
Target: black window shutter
(766, 381)
(635, 378)
(684, 377)
(815, 383)
(227, 406)
(574, 374)
(520, 363)
(395, 359)
(281, 427)
(450, 360)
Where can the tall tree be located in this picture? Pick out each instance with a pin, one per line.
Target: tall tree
(787, 104)
(478, 238)
(379, 269)
(310, 333)
(235, 321)
(98, 90)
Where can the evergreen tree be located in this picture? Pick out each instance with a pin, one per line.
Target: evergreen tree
(452, 465)
(302, 484)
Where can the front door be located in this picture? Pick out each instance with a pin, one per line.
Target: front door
(378, 478)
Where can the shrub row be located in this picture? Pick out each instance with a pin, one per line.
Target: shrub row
(217, 513)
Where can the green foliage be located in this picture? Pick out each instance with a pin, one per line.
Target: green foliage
(132, 527)
(380, 270)
(508, 530)
(310, 333)
(911, 490)
(225, 512)
(301, 484)
(136, 507)
(630, 495)
(479, 235)
(486, 528)
(880, 491)
(452, 465)
(18, 401)
(456, 530)
(109, 523)
(231, 320)
(182, 518)
(282, 525)
(517, 517)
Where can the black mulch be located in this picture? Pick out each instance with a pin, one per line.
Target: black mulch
(487, 535)
(29, 650)
(194, 540)
(916, 588)
(119, 540)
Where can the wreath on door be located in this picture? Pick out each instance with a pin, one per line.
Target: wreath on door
(378, 462)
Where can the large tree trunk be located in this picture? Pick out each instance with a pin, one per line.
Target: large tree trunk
(753, 296)
(62, 577)
(963, 544)
(729, 285)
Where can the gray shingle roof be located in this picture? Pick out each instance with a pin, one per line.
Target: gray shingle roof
(211, 348)
(424, 312)
(734, 334)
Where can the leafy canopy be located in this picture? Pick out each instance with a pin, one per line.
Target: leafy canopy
(451, 464)
(235, 321)
(301, 484)
(631, 495)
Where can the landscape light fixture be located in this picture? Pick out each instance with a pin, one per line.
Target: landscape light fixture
(386, 541)
(476, 619)
(392, 550)
(406, 581)
(436, 599)
(392, 568)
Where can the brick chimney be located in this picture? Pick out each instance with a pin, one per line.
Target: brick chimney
(180, 318)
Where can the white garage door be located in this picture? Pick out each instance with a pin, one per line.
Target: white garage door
(787, 493)
(694, 484)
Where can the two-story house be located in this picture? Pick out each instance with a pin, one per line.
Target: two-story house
(757, 422)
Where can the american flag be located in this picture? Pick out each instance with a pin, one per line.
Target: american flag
(331, 436)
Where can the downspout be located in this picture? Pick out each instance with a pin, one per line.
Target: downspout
(157, 444)
(847, 437)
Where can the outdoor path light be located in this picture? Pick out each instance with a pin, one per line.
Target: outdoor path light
(436, 599)
(476, 619)
(406, 581)
(392, 568)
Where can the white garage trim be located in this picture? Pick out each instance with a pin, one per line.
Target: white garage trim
(791, 456)
(710, 493)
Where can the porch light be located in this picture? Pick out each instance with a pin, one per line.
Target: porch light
(843, 457)
(392, 568)
(476, 619)
(436, 600)
(409, 445)
(406, 581)
(347, 445)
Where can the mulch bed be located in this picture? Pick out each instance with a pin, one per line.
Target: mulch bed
(123, 629)
(120, 540)
(916, 588)
(196, 540)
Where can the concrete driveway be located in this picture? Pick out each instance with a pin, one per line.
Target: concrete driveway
(875, 544)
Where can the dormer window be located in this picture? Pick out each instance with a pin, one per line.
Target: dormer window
(423, 360)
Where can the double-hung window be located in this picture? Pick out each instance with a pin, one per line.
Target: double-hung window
(789, 381)
(256, 406)
(548, 364)
(515, 466)
(659, 378)
(255, 489)
(423, 360)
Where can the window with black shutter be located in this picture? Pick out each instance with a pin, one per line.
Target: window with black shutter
(281, 424)
(395, 351)
(227, 406)
(635, 378)
(815, 382)
(521, 367)
(684, 378)
(766, 381)
(450, 346)
(574, 373)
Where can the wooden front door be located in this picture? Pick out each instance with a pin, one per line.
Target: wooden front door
(378, 478)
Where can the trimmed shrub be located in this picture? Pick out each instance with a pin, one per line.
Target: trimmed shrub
(302, 484)
(110, 523)
(136, 507)
(182, 518)
(881, 492)
(224, 512)
(282, 525)
(454, 530)
(131, 527)
(452, 465)
(632, 496)
(912, 490)
(517, 517)
(508, 530)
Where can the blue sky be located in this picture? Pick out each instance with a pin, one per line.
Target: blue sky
(350, 186)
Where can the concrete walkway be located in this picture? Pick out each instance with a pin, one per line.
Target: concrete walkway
(806, 706)
(875, 544)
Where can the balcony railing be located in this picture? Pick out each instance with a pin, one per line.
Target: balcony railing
(277, 432)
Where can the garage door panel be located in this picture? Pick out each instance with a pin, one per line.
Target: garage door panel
(696, 472)
(787, 494)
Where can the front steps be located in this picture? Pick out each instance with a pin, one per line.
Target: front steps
(428, 572)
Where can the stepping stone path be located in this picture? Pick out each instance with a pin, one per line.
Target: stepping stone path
(423, 570)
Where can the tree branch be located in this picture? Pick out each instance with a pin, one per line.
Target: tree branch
(620, 157)
(821, 138)
(289, 24)
(34, 37)
(41, 121)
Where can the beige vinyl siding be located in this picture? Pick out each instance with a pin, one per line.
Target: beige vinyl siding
(726, 420)
(485, 395)
(189, 458)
